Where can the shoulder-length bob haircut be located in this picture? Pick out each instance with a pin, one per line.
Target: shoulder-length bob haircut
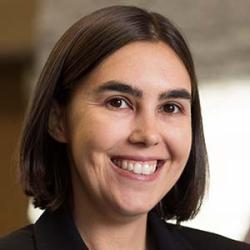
(45, 170)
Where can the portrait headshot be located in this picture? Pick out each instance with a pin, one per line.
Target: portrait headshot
(113, 149)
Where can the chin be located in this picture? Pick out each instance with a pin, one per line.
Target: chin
(135, 209)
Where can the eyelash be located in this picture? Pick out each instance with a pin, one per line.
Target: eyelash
(176, 108)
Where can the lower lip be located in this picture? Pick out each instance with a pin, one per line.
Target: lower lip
(137, 177)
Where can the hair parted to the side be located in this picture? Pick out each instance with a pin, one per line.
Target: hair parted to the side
(45, 171)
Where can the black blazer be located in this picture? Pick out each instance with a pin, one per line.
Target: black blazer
(57, 231)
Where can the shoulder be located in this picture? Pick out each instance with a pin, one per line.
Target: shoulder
(205, 240)
(21, 239)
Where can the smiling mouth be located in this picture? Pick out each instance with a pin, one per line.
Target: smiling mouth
(138, 167)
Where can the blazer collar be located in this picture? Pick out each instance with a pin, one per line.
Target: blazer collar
(164, 235)
(57, 231)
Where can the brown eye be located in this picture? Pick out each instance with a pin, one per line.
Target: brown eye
(171, 108)
(118, 103)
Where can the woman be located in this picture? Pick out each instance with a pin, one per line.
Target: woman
(113, 143)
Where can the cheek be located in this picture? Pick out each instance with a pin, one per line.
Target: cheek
(179, 137)
(179, 146)
(98, 132)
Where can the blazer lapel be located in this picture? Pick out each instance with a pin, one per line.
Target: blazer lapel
(163, 236)
(55, 231)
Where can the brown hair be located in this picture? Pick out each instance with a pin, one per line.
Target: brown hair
(45, 171)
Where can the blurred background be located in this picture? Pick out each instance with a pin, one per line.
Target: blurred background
(218, 33)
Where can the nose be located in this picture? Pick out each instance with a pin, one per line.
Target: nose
(145, 132)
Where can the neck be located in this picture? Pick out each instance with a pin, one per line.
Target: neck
(100, 231)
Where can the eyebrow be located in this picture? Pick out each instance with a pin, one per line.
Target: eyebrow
(175, 94)
(120, 87)
(128, 89)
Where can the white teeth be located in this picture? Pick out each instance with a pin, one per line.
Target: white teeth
(137, 168)
(124, 165)
(130, 166)
(145, 168)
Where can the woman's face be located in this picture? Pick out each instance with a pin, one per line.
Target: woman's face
(128, 129)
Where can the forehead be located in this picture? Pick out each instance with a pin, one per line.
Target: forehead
(143, 65)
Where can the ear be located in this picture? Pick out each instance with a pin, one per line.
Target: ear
(57, 123)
